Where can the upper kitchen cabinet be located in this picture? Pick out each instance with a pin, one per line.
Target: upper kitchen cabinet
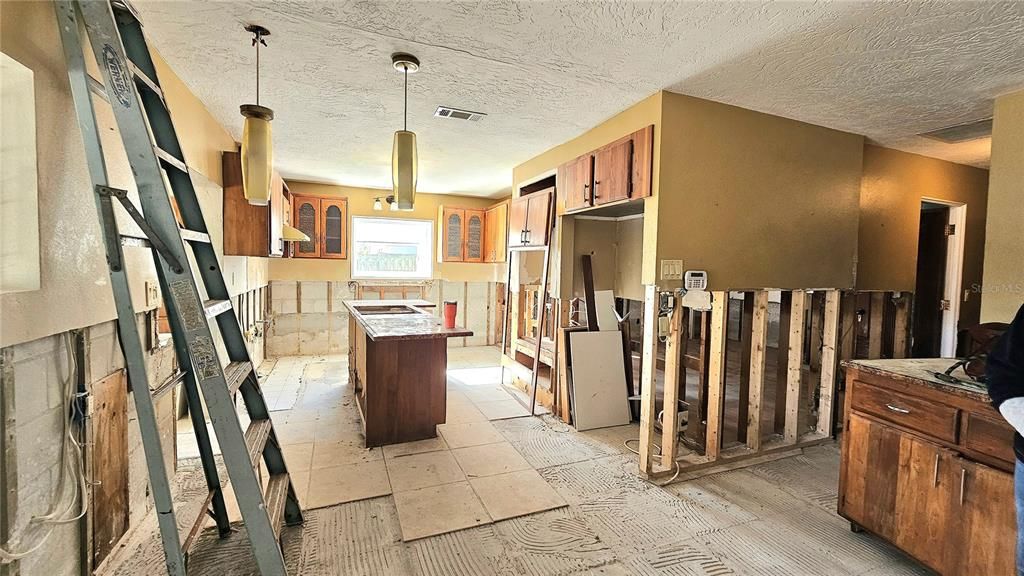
(529, 219)
(252, 230)
(616, 172)
(325, 221)
(472, 234)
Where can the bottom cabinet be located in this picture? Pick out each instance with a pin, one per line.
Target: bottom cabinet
(984, 520)
(872, 468)
(925, 514)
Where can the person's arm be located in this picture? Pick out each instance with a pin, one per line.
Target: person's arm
(1004, 373)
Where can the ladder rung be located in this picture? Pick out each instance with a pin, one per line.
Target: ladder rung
(197, 524)
(275, 497)
(256, 438)
(193, 236)
(96, 87)
(145, 80)
(135, 242)
(235, 374)
(167, 158)
(216, 307)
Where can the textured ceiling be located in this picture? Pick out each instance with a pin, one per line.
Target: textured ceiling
(544, 72)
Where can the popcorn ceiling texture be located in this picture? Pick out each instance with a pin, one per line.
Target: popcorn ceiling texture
(547, 71)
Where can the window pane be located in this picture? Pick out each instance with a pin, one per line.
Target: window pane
(391, 248)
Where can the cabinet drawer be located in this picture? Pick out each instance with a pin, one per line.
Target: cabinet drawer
(987, 436)
(933, 419)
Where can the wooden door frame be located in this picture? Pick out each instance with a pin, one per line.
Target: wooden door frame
(953, 280)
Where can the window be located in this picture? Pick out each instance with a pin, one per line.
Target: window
(391, 248)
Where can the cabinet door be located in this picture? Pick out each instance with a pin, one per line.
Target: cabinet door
(454, 239)
(473, 251)
(574, 182)
(306, 212)
(613, 171)
(984, 520)
(537, 219)
(517, 213)
(334, 228)
(495, 233)
(870, 468)
(925, 511)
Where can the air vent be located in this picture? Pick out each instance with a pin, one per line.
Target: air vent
(962, 132)
(456, 114)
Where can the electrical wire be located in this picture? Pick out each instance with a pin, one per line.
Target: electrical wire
(69, 491)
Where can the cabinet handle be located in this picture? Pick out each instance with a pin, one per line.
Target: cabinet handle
(897, 409)
(935, 480)
(963, 484)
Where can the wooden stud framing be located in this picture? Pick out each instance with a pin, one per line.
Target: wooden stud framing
(901, 330)
(697, 414)
(716, 374)
(781, 366)
(848, 326)
(673, 361)
(758, 340)
(829, 362)
(647, 391)
(746, 321)
(814, 310)
(794, 366)
(876, 315)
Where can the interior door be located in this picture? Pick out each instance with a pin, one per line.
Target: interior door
(574, 180)
(613, 171)
(537, 218)
(872, 465)
(983, 520)
(473, 250)
(517, 214)
(454, 234)
(109, 447)
(306, 212)
(925, 502)
(931, 281)
(334, 224)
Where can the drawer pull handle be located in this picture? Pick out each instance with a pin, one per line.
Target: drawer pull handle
(897, 409)
(935, 480)
(963, 484)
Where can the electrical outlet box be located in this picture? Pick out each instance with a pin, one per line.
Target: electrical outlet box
(671, 269)
(152, 294)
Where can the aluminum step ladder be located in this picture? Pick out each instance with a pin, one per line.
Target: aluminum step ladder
(131, 86)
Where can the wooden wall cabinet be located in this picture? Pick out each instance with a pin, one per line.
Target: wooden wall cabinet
(528, 223)
(252, 230)
(913, 473)
(617, 172)
(469, 234)
(325, 221)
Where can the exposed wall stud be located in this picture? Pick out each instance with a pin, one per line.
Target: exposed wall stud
(758, 343)
(794, 366)
(716, 374)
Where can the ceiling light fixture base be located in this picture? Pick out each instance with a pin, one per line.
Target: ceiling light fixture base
(257, 30)
(403, 61)
(256, 111)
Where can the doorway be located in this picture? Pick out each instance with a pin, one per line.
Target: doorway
(939, 267)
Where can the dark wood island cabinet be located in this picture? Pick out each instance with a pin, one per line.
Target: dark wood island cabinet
(928, 466)
(398, 362)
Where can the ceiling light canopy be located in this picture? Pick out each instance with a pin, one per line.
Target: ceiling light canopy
(257, 145)
(403, 151)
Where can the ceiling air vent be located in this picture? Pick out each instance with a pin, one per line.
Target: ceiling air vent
(962, 132)
(455, 113)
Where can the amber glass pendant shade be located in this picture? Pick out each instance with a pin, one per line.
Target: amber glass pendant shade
(403, 169)
(257, 154)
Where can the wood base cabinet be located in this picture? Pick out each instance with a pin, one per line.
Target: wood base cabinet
(904, 479)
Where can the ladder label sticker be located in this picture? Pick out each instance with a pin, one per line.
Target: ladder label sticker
(118, 79)
(187, 305)
(205, 357)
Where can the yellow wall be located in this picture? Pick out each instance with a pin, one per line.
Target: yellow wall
(893, 185)
(616, 251)
(75, 286)
(360, 203)
(1004, 242)
(640, 115)
(757, 200)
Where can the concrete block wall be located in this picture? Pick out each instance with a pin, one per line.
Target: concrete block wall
(309, 317)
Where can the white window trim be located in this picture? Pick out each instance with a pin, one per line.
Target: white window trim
(431, 242)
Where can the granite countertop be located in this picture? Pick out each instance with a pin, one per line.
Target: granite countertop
(922, 371)
(400, 320)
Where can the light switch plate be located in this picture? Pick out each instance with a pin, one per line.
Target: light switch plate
(152, 294)
(671, 269)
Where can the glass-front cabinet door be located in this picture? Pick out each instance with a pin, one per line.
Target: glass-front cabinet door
(334, 224)
(474, 250)
(454, 234)
(306, 212)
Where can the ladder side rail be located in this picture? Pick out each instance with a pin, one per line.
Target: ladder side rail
(128, 332)
(156, 204)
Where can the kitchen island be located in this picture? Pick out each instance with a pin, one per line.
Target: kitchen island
(398, 362)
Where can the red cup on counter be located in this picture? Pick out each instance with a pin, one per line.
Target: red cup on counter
(450, 309)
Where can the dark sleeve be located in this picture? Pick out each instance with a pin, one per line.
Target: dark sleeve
(1004, 369)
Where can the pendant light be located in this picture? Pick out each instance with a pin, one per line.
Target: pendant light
(403, 151)
(257, 148)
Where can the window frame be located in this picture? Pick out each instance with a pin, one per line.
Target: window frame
(353, 243)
